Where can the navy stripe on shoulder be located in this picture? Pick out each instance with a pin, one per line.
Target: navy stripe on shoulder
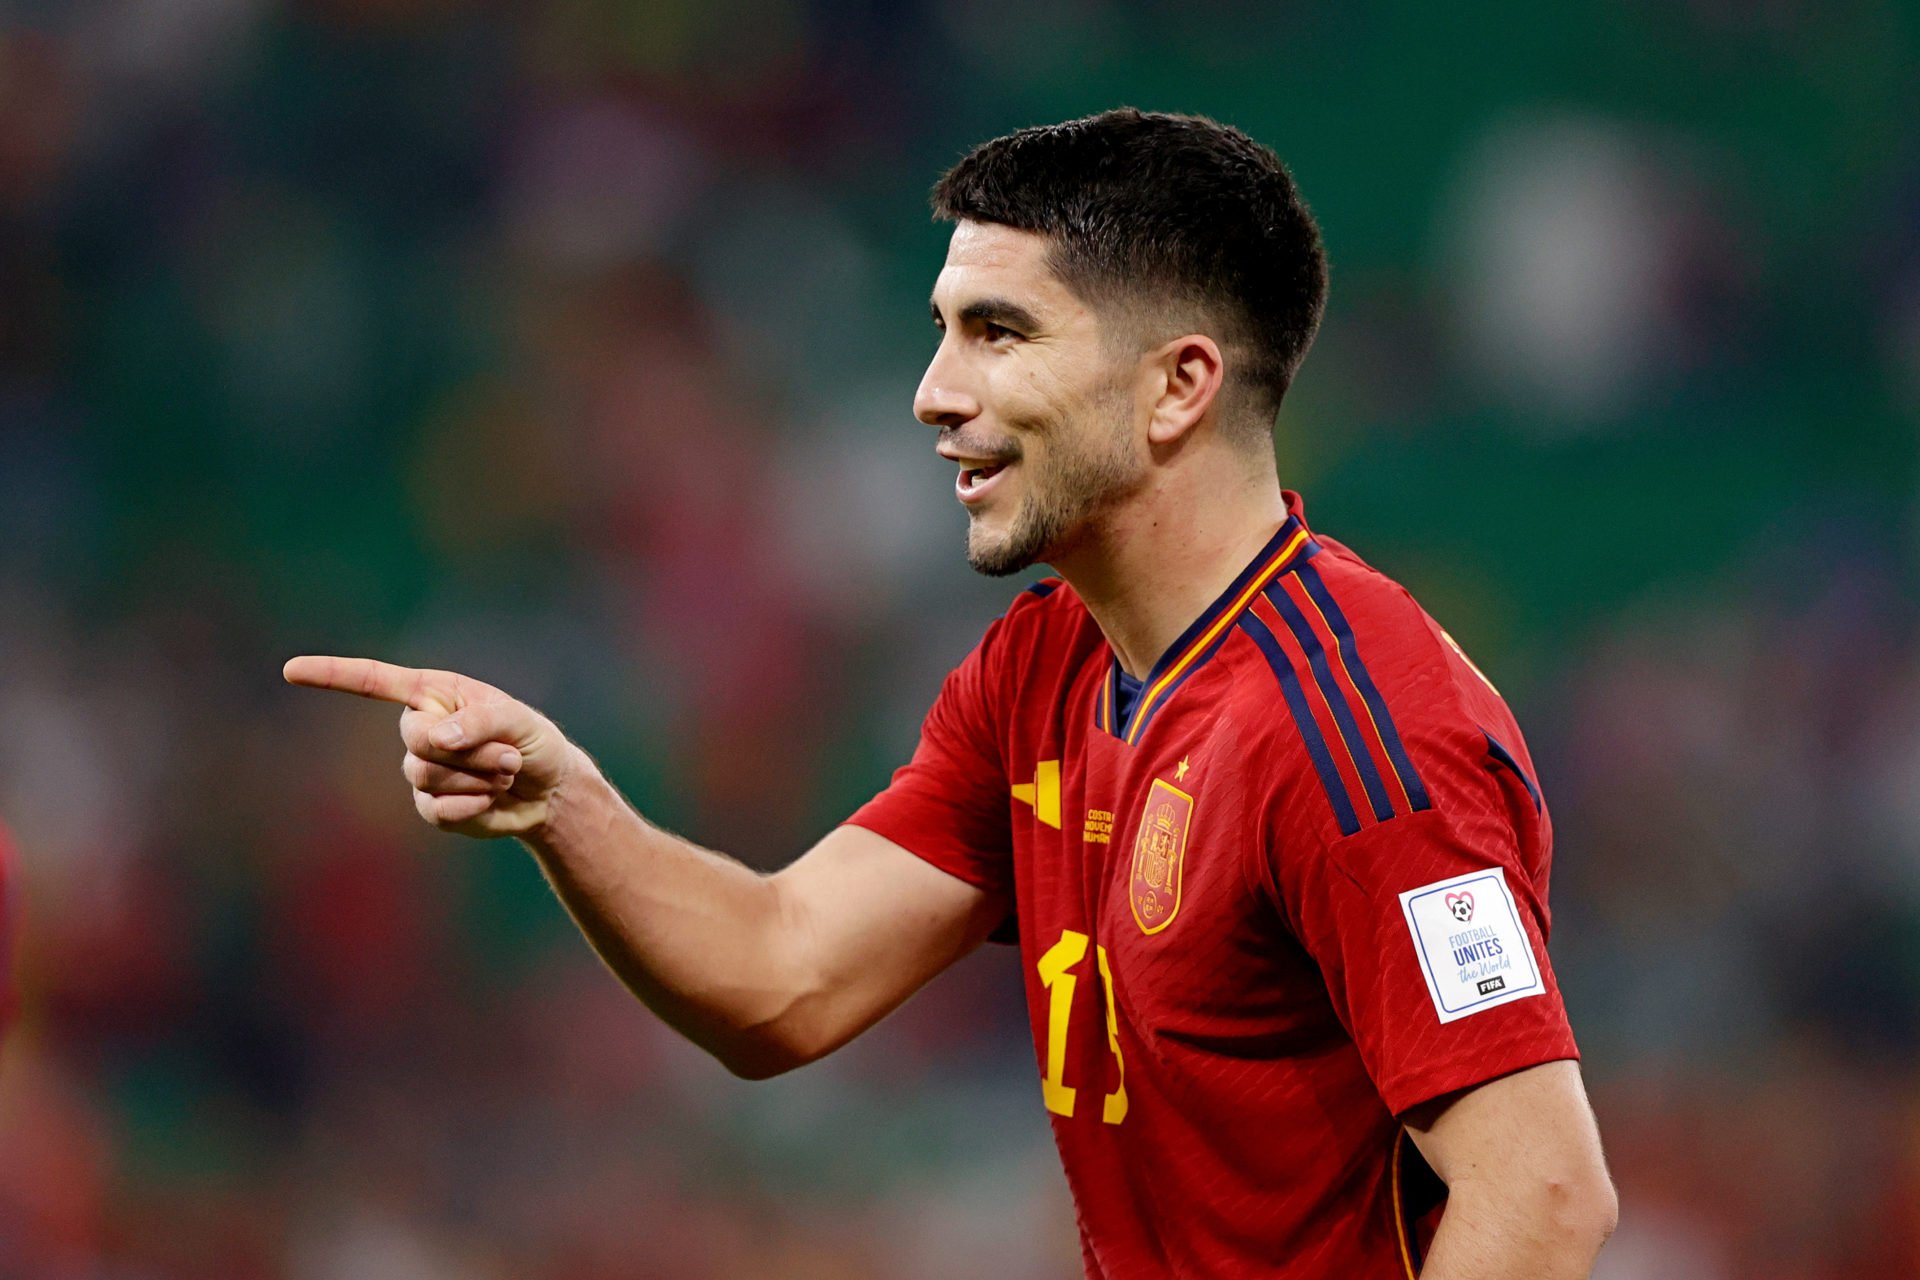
(1343, 717)
(1389, 736)
(1505, 757)
(1303, 718)
(1027, 599)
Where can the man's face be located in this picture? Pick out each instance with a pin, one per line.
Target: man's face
(1035, 409)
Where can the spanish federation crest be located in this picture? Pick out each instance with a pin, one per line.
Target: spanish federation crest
(1158, 854)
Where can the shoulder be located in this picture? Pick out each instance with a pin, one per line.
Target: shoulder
(1049, 598)
(1045, 618)
(1417, 666)
(1042, 636)
(1378, 711)
(1376, 626)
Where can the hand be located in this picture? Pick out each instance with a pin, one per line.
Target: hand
(480, 763)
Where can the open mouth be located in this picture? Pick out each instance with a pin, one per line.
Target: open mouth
(974, 482)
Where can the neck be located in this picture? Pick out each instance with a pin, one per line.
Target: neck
(1156, 563)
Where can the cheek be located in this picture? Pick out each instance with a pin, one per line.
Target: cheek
(1044, 399)
(1023, 394)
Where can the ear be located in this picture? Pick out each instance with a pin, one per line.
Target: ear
(1191, 374)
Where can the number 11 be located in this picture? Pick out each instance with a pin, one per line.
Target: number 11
(1054, 976)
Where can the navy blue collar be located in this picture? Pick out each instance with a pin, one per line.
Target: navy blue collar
(1291, 545)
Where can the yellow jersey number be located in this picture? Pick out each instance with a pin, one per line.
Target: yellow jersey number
(1057, 976)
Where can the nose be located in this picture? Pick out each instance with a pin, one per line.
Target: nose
(941, 400)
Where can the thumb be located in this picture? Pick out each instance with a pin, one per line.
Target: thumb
(502, 721)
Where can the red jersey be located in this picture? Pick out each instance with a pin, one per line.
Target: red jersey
(1286, 887)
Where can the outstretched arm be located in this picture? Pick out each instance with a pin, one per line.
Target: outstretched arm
(1528, 1196)
(764, 972)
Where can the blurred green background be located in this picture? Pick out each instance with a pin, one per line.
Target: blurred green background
(572, 345)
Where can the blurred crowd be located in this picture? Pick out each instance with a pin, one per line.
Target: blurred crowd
(571, 346)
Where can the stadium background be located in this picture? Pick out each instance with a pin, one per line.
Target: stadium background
(573, 348)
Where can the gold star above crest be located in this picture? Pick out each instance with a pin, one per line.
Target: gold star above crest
(1180, 770)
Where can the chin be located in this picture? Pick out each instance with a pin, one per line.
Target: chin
(1000, 554)
(1003, 552)
(1000, 568)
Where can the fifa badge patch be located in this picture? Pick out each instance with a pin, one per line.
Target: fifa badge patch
(1159, 851)
(1473, 950)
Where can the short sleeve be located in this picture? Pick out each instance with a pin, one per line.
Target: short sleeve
(1431, 935)
(949, 803)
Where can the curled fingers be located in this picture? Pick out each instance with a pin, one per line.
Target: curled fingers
(485, 758)
(446, 780)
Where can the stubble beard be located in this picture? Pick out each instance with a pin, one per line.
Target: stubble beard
(1058, 507)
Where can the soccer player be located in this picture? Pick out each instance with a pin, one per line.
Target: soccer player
(1272, 848)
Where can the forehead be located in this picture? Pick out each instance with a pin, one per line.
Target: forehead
(987, 259)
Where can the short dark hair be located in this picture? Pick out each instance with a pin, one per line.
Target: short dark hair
(1148, 206)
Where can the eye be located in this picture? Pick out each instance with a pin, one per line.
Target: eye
(997, 332)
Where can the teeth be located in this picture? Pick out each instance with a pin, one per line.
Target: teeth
(972, 476)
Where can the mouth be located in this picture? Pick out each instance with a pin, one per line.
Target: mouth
(975, 482)
(980, 473)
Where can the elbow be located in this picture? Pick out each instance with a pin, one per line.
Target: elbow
(1585, 1211)
(759, 1060)
(788, 1026)
(1606, 1211)
(789, 1022)
(1557, 1221)
(763, 1051)
(756, 1068)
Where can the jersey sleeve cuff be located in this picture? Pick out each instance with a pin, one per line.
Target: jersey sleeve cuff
(1481, 1064)
(957, 863)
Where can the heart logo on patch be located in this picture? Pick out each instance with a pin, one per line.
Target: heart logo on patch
(1461, 905)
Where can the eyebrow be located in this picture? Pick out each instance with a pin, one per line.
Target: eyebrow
(998, 311)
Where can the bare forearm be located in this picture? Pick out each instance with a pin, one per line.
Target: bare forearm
(695, 935)
(1544, 1231)
(764, 972)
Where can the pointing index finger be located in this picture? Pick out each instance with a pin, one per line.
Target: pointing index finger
(370, 678)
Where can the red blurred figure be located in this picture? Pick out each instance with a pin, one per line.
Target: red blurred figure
(8, 997)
